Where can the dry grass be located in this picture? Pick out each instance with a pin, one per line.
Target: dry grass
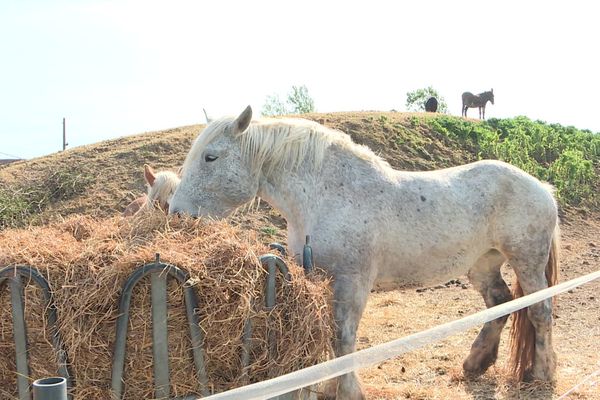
(86, 260)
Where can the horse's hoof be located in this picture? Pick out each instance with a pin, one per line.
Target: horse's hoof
(477, 363)
(327, 390)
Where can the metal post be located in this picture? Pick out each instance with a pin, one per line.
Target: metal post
(307, 256)
(65, 144)
(54, 388)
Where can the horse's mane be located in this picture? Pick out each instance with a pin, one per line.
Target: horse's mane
(164, 186)
(284, 143)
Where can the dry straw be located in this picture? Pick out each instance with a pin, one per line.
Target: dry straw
(86, 262)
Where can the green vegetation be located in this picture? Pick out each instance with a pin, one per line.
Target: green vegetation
(298, 102)
(415, 100)
(563, 156)
(269, 230)
(22, 202)
(102, 179)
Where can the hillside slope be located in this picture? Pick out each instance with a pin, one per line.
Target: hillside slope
(101, 179)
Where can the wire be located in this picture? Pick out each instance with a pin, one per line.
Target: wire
(587, 378)
(11, 155)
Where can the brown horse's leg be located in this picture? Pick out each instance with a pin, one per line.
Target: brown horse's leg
(486, 278)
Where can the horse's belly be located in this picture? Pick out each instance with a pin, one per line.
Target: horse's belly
(424, 269)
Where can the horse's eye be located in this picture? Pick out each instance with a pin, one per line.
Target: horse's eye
(209, 158)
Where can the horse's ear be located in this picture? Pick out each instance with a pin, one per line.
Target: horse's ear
(492, 91)
(242, 122)
(149, 174)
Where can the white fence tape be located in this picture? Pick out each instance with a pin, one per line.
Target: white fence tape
(376, 354)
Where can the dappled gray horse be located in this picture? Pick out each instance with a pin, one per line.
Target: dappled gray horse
(370, 223)
(470, 100)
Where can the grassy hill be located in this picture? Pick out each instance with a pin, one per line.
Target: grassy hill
(101, 179)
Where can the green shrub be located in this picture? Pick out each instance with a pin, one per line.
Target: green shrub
(564, 156)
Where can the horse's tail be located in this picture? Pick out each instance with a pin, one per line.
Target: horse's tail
(522, 332)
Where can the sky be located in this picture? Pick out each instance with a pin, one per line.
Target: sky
(116, 68)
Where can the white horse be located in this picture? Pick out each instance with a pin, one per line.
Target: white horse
(161, 186)
(369, 223)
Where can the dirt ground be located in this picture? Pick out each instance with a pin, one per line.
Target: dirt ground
(435, 372)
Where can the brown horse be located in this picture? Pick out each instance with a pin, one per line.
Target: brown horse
(469, 100)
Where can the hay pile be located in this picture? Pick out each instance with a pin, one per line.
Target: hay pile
(86, 262)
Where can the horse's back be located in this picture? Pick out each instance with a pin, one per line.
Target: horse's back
(501, 182)
(443, 221)
(467, 97)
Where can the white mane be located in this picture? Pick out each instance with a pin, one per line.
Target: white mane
(284, 143)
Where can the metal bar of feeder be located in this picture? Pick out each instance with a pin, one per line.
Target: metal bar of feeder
(32, 275)
(160, 338)
(307, 256)
(196, 337)
(20, 336)
(122, 323)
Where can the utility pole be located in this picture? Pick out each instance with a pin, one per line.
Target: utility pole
(65, 144)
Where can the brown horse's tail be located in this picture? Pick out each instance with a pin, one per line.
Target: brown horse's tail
(522, 332)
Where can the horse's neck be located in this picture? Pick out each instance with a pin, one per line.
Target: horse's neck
(305, 195)
(289, 192)
(483, 98)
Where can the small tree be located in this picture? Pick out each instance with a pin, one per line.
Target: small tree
(274, 106)
(415, 100)
(298, 102)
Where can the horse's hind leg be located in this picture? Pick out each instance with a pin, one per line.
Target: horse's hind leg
(532, 277)
(486, 278)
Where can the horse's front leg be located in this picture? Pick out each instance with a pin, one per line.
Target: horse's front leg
(350, 297)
